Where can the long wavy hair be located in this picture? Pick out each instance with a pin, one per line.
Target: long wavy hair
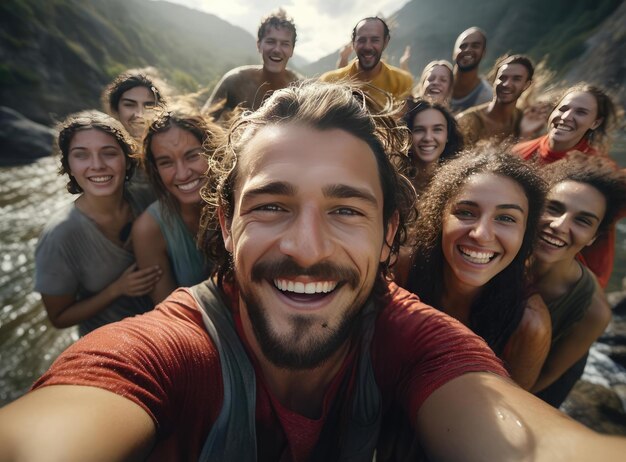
(497, 311)
(325, 107)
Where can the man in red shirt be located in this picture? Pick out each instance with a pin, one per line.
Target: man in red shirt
(299, 348)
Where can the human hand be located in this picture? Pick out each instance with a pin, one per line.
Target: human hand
(404, 59)
(135, 283)
(534, 119)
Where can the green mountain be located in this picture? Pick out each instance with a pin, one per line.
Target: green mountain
(57, 55)
(564, 30)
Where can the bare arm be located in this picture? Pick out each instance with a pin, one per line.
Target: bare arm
(577, 342)
(220, 92)
(528, 347)
(481, 416)
(66, 311)
(74, 423)
(404, 59)
(151, 250)
(344, 55)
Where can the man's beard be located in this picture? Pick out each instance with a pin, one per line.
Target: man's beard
(369, 68)
(468, 68)
(296, 350)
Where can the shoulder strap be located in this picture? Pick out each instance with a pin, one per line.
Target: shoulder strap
(233, 435)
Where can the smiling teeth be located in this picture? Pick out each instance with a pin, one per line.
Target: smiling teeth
(189, 186)
(477, 257)
(302, 288)
(564, 128)
(427, 148)
(553, 241)
(100, 179)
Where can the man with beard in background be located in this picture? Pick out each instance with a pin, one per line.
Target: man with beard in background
(500, 118)
(469, 89)
(370, 37)
(248, 86)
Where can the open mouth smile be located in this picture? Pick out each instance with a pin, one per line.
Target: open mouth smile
(552, 241)
(473, 256)
(100, 179)
(190, 186)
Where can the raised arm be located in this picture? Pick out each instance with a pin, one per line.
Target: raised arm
(528, 347)
(480, 416)
(571, 347)
(74, 423)
(150, 250)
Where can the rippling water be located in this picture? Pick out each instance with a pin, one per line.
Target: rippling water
(29, 195)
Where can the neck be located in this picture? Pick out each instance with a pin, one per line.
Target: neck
(457, 297)
(554, 279)
(102, 205)
(366, 75)
(561, 147)
(301, 391)
(502, 112)
(190, 213)
(464, 82)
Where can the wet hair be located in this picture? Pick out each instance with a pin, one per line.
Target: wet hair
(597, 171)
(209, 134)
(430, 66)
(454, 143)
(127, 80)
(372, 18)
(277, 20)
(497, 311)
(598, 137)
(515, 59)
(86, 120)
(322, 106)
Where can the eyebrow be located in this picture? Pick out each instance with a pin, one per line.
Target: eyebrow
(102, 147)
(562, 206)
(499, 206)
(342, 191)
(337, 191)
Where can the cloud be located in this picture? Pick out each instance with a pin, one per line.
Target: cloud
(323, 25)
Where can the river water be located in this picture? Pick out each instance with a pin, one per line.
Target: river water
(30, 194)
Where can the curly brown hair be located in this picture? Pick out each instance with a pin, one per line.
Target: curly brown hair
(324, 107)
(96, 120)
(499, 308)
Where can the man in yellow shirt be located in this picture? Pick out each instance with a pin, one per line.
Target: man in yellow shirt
(370, 37)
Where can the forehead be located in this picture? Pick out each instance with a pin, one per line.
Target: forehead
(580, 99)
(280, 34)
(470, 37)
(429, 117)
(580, 197)
(174, 138)
(91, 136)
(309, 158)
(513, 69)
(138, 93)
(493, 189)
(370, 28)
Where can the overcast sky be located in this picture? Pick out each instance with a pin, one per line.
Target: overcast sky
(323, 25)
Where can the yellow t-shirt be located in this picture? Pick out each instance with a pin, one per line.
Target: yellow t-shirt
(390, 79)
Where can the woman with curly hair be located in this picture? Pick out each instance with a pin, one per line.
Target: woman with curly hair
(585, 195)
(476, 228)
(175, 156)
(85, 267)
(582, 121)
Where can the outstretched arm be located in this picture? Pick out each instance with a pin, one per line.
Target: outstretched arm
(480, 416)
(75, 423)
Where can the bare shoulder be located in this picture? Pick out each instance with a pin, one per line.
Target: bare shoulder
(146, 227)
(536, 318)
(599, 312)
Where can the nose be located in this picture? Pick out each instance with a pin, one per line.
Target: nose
(482, 230)
(558, 223)
(307, 238)
(566, 115)
(428, 134)
(183, 171)
(96, 162)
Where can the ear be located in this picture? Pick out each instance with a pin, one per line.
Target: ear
(258, 46)
(597, 123)
(386, 43)
(225, 227)
(390, 234)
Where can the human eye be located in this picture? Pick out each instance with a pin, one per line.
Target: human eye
(438, 129)
(164, 163)
(418, 129)
(80, 154)
(505, 218)
(346, 211)
(268, 208)
(463, 213)
(584, 221)
(128, 104)
(111, 152)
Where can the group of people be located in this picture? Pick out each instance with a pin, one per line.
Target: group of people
(344, 270)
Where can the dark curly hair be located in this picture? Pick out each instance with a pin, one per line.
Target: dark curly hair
(209, 134)
(597, 171)
(96, 120)
(323, 106)
(498, 310)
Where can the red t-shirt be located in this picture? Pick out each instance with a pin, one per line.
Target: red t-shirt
(165, 362)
